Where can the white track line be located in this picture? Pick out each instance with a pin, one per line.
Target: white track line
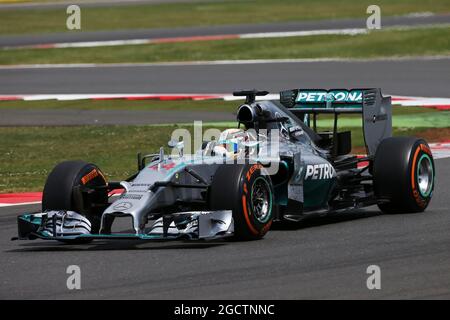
(18, 204)
(220, 62)
(440, 150)
(263, 35)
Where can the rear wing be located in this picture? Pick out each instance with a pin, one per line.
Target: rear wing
(376, 110)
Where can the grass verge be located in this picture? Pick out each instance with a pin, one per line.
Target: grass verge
(27, 154)
(180, 105)
(184, 105)
(383, 43)
(402, 116)
(22, 21)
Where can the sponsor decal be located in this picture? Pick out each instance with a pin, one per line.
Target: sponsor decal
(131, 196)
(88, 177)
(421, 201)
(252, 169)
(416, 195)
(166, 166)
(425, 149)
(123, 206)
(266, 228)
(247, 216)
(319, 171)
(323, 96)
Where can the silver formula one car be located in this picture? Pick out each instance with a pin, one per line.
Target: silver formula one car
(274, 166)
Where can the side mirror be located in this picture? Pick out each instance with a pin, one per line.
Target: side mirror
(179, 145)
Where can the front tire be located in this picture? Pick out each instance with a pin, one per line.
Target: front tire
(61, 191)
(248, 192)
(403, 172)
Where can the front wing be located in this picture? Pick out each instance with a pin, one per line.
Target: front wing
(206, 225)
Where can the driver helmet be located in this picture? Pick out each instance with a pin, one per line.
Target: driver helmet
(232, 143)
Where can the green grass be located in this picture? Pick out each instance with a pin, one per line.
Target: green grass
(384, 43)
(417, 120)
(187, 105)
(183, 105)
(27, 154)
(205, 13)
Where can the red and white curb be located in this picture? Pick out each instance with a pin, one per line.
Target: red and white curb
(437, 103)
(124, 96)
(18, 199)
(440, 150)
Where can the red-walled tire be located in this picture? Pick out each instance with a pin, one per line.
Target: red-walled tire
(246, 191)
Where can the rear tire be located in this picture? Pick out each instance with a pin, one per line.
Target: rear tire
(246, 191)
(61, 192)
(403, 172)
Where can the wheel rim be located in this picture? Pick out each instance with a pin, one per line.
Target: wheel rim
(261, 200)
(425, 175)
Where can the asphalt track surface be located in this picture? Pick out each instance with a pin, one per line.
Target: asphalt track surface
(21, 40)
(412, 77)
(322, 258)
